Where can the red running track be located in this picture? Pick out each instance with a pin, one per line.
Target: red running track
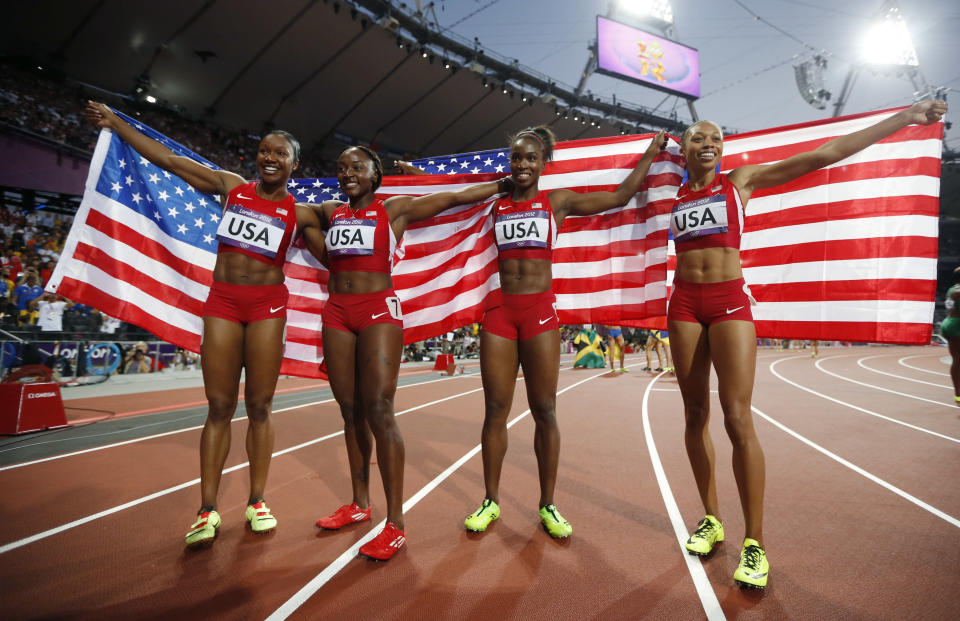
(862, 507)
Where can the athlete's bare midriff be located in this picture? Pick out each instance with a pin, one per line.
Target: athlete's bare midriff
(704, 265)
(236, 268)
(523, 276)
(359, 282)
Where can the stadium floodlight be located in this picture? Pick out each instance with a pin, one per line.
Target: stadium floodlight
(887, 41)
(151, 99)
(655, 10)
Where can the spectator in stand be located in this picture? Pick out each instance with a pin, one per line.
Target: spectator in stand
(46, 272)
(11, 259)
(24, 293)
(108, 324)
(81, 318)
(6, 284)
(47, 107)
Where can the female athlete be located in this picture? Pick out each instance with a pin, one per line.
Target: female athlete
(363, 329)
(710, 320)
(520, 326)
(243, 317)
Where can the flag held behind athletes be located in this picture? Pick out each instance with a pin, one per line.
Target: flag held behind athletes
(143, 248)
(846, 253)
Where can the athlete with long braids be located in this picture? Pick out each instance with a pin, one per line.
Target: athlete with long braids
(363, 329)
(520, 326)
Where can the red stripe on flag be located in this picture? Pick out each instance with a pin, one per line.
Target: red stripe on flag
(147, 246)
(85, 293)
(847, 331)
(782, 152)
(880, 207)
(136, 278)
(840, 250)
(846, 290)
(886, 169)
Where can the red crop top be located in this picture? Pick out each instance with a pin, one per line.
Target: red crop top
(526, 229)
(710, 218)
(361, 240)
(257, 227)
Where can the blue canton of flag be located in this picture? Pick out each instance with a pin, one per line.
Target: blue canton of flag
(179, 210)
(315, 190)
(492, 161)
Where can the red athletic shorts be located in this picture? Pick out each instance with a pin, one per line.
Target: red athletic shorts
(352, 312)
(246, 303)
(520, 317)
(710, 302)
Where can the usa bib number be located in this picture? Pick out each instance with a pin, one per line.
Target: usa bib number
(251, 230)
(525, 229)
(351, 237)
(704, 216)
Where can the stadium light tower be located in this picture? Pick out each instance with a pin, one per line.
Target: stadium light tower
(886, 48)
(657, 13)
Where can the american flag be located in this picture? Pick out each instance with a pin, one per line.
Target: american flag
(848, 252)
(143, 246)
(607, 269)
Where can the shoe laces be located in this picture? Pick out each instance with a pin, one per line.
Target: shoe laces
(705, 529)
(751, 556)
(552, 510)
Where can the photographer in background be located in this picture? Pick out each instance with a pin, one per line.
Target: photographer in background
(50, 308)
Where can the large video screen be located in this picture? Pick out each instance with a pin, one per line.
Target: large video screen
(632, 54)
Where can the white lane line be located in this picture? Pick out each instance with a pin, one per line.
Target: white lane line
(861, 361)
(120, 431)
(856, 407)
(331, 570)
(96, 516)
(903, 360)
(895, 392)
(893, 488)
(169, 433)
(711, 606)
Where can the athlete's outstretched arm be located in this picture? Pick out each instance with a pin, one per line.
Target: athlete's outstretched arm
(568, 202)
(757, 177)
(406, 209)
(199, 176)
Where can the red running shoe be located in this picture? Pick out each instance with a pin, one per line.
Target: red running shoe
(385, 545)
(347, 514)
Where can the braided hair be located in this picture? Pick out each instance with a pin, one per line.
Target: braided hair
(540, 134)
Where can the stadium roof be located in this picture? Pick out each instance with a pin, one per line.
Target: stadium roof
(327, 71)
